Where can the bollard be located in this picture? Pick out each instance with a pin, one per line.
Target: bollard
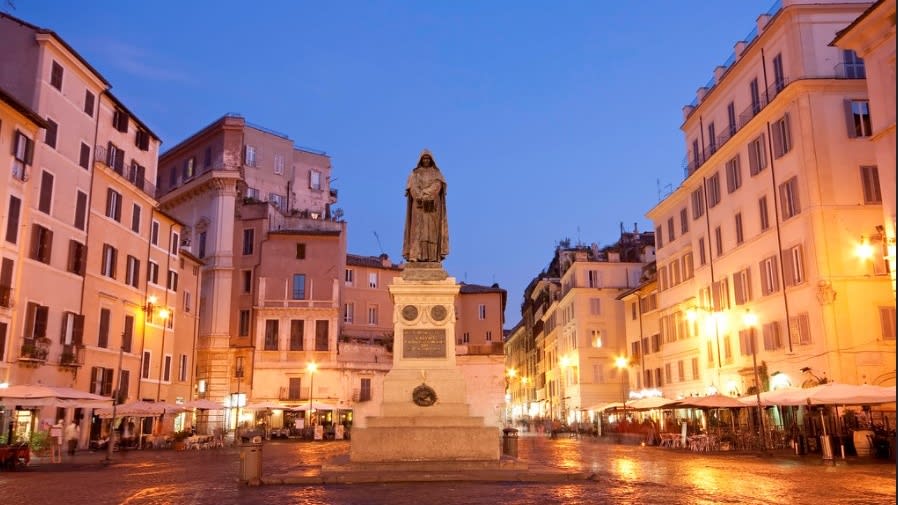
(510, 442)
(251, 461)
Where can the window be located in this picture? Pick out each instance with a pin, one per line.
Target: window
(182, 368)
(372, 279)
(742, 286)
(189, 168)
(596, 338)
(103, 331)
(113, 204)
(769, 276)
(870, 182)
(115, 158)
(153, 272)
(773, 340)
(782, 139)
(348, 312)
(243, 326)
(142, 139)
(297, 334)
(299, 287)
(793, 266)
(695, 372)
(696, 155)
(789, 202)
(465, 337)
(800, 329)
(727, 349)
(595, 306)
(12, 221)
(681, 371)
(45, 201)
(172, 280)
(135, 218)
(698, 203)
(718, 241)
(712, 138)
(175, 244)
(294, 388)
(279, 164)
(633, 311)
(734, 174)
(172, 177)
(762, 210)
(166, 369)
(854, 66)
(128, 333)
(886, 321)
(755, 93)
(747, 341)
(670, 229)
(110, 255)
(207, 157)
(731, 118)
(321, 331)
(120, 120)
(314, 179)
(779, 78)
(145, 365)
(714, 190)
(56, 76)
(757, 155)
(249, 156)
(154, 233)
(188, 302)
(721, 295)
(77, 257)
(858, 117)
(481, 312)
(659, 238)
(668, 376)
(132, 271)
(688, 266)
(365, 390)
(594, 279)
(50, 133)
(84, 158)
(684, 221)
(36, 321)
(634, 350)
(101, 380)
(41, 243)
(89, 103)
(201, 248)
(350, 274)
(23, 154)
(248, 238)
(740, 237)
(702, 259)
(372, 315)
(271, 335)
(247, 281)
(300, 251)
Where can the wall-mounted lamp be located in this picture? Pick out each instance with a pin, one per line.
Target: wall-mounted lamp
(151, 306)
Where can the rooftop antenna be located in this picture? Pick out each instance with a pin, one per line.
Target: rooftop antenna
(378, 243)
(578, 236)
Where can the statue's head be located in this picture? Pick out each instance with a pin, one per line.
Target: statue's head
(426, 159)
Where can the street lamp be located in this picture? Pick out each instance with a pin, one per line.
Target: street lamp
(622, 363)
(238, 374)
(750, 320)
(563, 363)
(311, 367)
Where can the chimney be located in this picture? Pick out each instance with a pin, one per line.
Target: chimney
(687, 110)
(700, 93)
(718, 73)
(739, 48)
(763, 19)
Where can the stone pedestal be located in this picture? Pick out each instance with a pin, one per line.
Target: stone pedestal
(424, 414)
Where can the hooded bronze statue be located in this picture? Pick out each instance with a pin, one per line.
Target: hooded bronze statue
(426, 237)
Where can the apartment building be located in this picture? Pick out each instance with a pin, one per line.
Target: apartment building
(758, 278)
(481, 316)
(257, 211)
(872, 38)
(644, 359)
(80, 230)
(367, 305)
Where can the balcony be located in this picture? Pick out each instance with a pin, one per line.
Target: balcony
(128, 172)
(35, 349)
(284, 395)
(72, 355)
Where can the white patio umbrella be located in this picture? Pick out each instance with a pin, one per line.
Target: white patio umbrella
(315, 405)
(835, 393)
(141, 409)
(649, 403)
(264, 405)
(203, 404)
(37, 395)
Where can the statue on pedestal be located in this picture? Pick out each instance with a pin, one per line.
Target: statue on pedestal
(426, 238)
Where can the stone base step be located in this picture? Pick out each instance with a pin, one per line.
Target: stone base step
(424, 443)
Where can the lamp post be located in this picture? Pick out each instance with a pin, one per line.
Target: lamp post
(510, 374)
(524, 382)
(622, 363)
(111, 443)
(563, 364)
(750, 320)
(311, 367)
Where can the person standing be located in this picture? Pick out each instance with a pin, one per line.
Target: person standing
(71, 437)
(426, 238)
(56, 442)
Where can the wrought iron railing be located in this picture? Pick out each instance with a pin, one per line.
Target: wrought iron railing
(128, 172)
(35, 349)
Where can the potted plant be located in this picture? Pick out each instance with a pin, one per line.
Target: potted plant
(179, 439)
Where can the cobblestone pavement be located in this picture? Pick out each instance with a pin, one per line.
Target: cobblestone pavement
(623, 474)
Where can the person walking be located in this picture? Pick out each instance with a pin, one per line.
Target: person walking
(56, 442)
(71, 437)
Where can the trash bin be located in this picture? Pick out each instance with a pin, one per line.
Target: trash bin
(251, 461)
(510, 442)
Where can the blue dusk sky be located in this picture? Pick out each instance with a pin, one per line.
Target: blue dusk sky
(549, 120)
